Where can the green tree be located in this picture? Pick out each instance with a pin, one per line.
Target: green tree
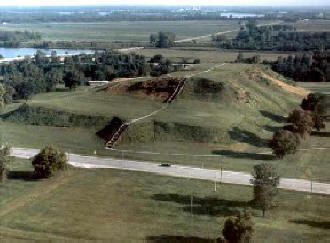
(73, 78)
(239, 229)
(4, 160)
(49, 161)
(302, 122)
(2, 95)
(25, 90)
(283, 143)
(265, 181)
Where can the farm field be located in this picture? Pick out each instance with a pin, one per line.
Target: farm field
(313, 25)
(125, 31)
(141, 206)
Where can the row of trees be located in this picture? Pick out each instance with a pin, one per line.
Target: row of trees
(265, 180)
(302, 121)
(274, 37)
(307, 67)
(22, 79)
(13, 38)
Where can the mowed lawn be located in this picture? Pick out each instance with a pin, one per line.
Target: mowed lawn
(123, 30)
(128, 206)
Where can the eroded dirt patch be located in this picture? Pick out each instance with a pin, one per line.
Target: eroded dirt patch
(159, 88)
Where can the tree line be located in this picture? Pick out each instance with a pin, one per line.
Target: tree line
(306, 67)
(274, 37)
(301, 122)
(13, 38)
(22, 79)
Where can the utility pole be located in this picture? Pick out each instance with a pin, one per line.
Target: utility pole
(215, 182)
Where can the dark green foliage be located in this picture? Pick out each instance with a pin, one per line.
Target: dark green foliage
(305, 67)
(265, 181)
(162, 40)
(4, 160)
(316, 103)
(239, 229)
(302, 122)
(49, 161)
(283, 143)
(251, 60)
(275, 37)
(24, 78)
(13, 38)
(313, 99)
(160, 65)
(24, 90)
(74, 78)
(197, 61)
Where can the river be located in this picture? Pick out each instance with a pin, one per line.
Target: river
(15, 52)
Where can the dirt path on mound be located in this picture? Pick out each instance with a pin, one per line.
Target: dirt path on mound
(41, 190)
(287, 87)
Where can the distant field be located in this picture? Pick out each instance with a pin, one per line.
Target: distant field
(206, 55)
(313, 25)
(118, 205)
(123, 30)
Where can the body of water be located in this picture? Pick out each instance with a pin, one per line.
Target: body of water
(15, 52)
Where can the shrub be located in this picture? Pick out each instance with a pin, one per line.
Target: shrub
(302, 122)
(283, 143)
(49, 161)
(239, 229)
(197, 61)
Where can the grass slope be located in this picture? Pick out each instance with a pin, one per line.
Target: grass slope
(134, 206)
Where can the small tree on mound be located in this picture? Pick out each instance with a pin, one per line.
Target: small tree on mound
(302, 122)
(311, 101)
(265, 181)
(48, 161)
(283, 143)
(4, 160)
(239, 229)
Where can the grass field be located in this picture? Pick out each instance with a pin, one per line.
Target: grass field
(123, 30)
(131, 206)
(313, 25)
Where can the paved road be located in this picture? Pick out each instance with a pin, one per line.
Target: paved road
(232, 177)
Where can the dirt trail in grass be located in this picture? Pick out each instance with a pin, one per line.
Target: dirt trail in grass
(218, 33)
(41, 190)
(287, 87)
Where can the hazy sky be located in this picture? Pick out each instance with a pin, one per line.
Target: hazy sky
(165, 2)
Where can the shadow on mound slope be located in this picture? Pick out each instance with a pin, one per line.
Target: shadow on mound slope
(272, 116)
(244, 136)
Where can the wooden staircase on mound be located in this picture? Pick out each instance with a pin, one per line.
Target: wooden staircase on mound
(116, 135)
(177, 91)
